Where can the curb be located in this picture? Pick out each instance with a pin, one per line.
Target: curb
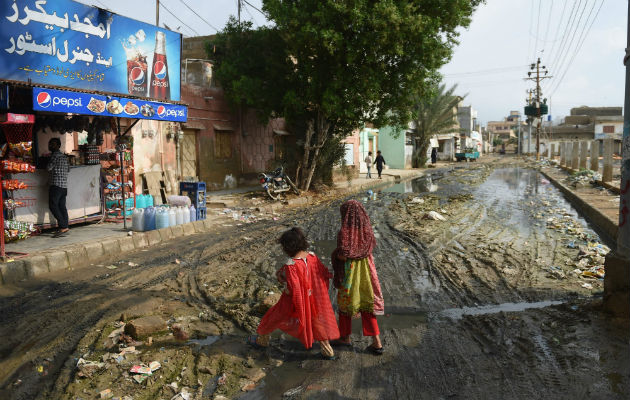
(603, 223)
(82, 254)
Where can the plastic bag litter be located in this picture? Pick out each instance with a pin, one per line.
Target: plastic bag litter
(433, 215)
(229, 182)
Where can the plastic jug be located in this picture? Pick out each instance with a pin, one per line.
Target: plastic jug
(148, 200)
(140, 201)
(161, 218)
(193, 213)
(172, 217)
(149, 218)
(179, 215)
(137, 220)
(186, 214)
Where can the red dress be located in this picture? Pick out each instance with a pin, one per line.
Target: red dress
(304, 310)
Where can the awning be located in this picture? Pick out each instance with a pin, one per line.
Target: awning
(281, 132)
(64, 101)
(218, 127)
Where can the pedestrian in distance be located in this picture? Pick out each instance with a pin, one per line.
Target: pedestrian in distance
(356, 280)
(58, 169)
(304, 310)
(434, 152)
(368, 162)
(380, 161)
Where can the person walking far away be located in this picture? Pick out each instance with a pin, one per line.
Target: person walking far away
(368, 162)
(434, 152)
(380, 161)
(58, 169)
(356, 280)
(304, 310)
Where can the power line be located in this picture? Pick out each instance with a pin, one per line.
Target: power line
(177, 18)
(579, 46)
(537, 28)
(529, 43)
(567, 32)
(488, 71)
(548, 22)
(255, 8)
(558, 28)
(561, 64)
(200, 17)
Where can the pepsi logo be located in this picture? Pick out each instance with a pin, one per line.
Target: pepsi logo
(44, 100)
(159, 69)
(161, 111)
(137, 76)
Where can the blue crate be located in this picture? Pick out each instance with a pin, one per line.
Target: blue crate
(196, 191)
(201, 213)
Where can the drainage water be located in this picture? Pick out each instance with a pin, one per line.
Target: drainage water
(458, 313)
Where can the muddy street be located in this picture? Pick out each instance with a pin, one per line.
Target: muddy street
(492, 290)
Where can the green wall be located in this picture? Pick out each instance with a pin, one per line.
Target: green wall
(392, 148)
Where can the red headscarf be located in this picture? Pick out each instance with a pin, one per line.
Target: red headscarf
(355, 239)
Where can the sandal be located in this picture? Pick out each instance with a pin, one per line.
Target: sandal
(251, 340)
(376, 351)
(328, 358)
(59, 234)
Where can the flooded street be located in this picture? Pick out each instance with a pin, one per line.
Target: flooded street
(491, 300)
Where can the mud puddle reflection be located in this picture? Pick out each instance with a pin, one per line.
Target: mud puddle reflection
(459, 313)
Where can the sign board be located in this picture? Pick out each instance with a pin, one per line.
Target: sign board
(64, 101)
(68, 44)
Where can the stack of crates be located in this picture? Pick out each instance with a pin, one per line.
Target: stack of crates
(196, 191)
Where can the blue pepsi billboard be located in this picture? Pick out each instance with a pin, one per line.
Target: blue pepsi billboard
(68, 44)
(63, 101)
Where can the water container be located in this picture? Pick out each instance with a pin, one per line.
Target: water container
(148, 200)
(193, 213)
(140, 201)
(186, 214)
(161, 218)
(149, 218)
(179, 214)
(137, 220)
(172, 217)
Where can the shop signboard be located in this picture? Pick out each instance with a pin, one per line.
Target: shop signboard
(68, 44)
(63, 101)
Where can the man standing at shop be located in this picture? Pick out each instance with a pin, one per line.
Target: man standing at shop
(58, 168)
(380, 161)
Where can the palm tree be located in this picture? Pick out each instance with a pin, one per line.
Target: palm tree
(434, 116)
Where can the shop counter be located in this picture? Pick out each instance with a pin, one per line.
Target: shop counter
(84, 194)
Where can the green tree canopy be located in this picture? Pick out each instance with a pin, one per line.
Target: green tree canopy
(337, 64)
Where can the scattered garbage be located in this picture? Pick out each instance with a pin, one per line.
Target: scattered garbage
(556, 272)
(88, 368)
(433, 215)
(183, 395)
(417, 200)
(106, 394)
(229, 182)
(583, 178)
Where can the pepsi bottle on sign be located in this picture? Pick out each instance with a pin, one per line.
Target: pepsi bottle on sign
(160, 87)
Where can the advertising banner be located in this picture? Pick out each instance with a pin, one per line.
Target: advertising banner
(68, 44)
(64, 101)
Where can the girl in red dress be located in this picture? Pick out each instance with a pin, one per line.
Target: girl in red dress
(304, 310)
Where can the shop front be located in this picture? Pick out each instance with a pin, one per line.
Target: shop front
(87, 84)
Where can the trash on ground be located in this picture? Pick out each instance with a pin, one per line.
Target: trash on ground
(434, 215)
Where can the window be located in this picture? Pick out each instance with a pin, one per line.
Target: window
(349, 155)
(609, 129)
(223, 144)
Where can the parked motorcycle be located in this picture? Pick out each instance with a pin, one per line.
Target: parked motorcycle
(276, 183)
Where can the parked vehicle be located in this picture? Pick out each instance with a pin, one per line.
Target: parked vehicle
(276, 183)
(467, 155)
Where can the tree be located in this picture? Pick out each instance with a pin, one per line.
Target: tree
(341, 63)
(434, 116)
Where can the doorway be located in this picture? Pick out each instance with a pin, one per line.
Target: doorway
(188, 154)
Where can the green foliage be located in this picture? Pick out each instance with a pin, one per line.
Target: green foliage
(434, 115)
(497, 142)
(339, 63)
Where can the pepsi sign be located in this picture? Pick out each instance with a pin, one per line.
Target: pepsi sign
(63, 101)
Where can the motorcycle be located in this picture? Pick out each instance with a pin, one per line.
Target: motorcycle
(276, 183)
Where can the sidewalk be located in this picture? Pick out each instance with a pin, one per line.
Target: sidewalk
(98, 243)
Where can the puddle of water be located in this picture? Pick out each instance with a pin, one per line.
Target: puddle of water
(398, 320)
(424, 184)
(208, 341)
(423, 283)
(458, 313)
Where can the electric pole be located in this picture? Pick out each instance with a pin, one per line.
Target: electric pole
(538, 108)
(239, 10)
(157, 13)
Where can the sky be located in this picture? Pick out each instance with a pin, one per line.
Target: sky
(581, 42)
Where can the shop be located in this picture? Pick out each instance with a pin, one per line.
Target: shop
(89, 97)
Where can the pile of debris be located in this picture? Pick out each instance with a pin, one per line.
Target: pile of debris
(583, 178)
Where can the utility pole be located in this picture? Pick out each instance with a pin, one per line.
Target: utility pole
(157, 13)
(239, 10)
(537, 98)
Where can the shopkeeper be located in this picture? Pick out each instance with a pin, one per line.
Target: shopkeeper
(58, 168)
